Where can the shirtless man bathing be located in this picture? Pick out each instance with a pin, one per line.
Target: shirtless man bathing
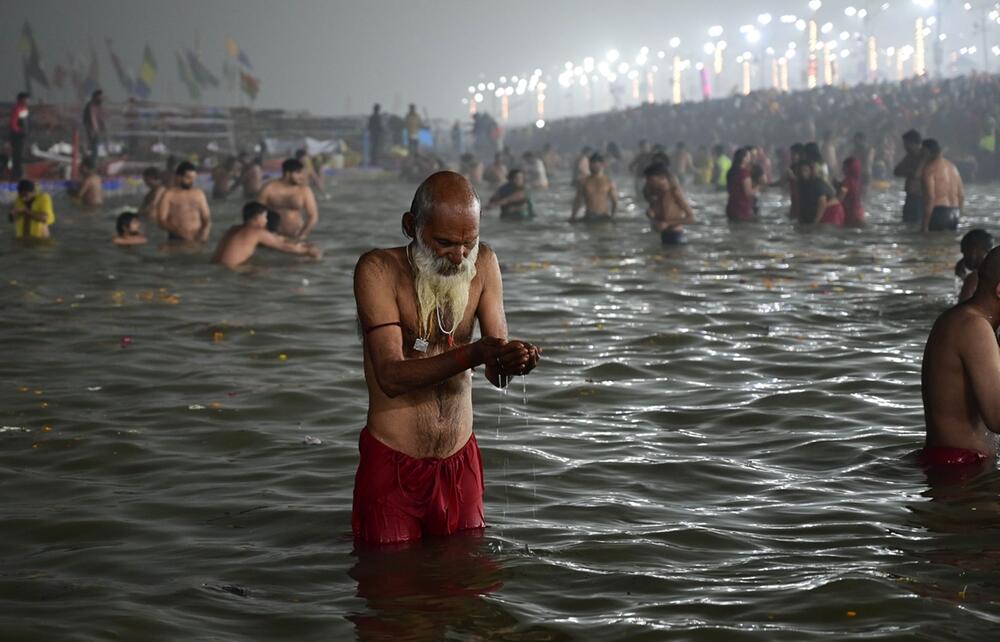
(240, 241)
(288, 196)
(944, 194)
(669, 210)
(597, 192)
(182, 209)
(960, 376)
(420, 470)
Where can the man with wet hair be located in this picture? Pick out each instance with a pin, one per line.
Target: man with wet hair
(669, 210)
(944, 194)
(975, 246)
(289, 196)
(910, 169)
(960, 376)
(183, 209)
(420, 471)
(240, 241)
(596, 193)
(128, 230)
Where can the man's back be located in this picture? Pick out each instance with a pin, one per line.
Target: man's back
(946, 182)
(279, 195)
(237, 245)
(960, 370)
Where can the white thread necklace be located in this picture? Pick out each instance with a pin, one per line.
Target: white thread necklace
(423, 343)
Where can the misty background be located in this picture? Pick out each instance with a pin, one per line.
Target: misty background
(337, 58)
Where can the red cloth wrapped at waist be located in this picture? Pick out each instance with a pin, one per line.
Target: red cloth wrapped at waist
(945, 456)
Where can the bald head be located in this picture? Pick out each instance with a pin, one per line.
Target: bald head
(444, 194)
(989, 272)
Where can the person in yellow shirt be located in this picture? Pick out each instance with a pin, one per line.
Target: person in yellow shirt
(32, 213)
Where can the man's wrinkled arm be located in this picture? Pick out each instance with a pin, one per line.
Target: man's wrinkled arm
(491, 315)
(394, 373)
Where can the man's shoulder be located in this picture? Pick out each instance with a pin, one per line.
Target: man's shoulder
(381, 261)
(960, 322)
(487, 256)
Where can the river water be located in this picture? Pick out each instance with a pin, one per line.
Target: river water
(718, 445)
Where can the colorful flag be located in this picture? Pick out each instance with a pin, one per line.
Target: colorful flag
(123, 77)
(185, 75)
(32, 59)
(237, 54)
(249, 85)
(199, 72)
(147, 74)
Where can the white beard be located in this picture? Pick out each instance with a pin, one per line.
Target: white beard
(442, 288)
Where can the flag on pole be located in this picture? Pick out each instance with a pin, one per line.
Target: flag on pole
(249, 85)
(199, 72)
(185, 75)
(124, 78)
(32, 58)
(147, 74)
(237, 54)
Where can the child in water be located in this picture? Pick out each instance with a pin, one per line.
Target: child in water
(129, 230)
(975, 246)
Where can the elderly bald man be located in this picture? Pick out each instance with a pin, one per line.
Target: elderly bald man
(420, 470)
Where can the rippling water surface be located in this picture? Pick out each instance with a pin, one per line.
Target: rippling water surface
(718, 444)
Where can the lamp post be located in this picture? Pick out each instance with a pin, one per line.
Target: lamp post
(676, 68)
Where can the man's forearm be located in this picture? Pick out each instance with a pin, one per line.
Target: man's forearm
(407, 375)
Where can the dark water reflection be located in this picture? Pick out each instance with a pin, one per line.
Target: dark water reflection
(719, 444)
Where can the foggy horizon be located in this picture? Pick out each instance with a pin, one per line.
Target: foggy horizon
(339, 59)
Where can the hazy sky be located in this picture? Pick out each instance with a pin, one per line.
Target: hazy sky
(336, 57)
